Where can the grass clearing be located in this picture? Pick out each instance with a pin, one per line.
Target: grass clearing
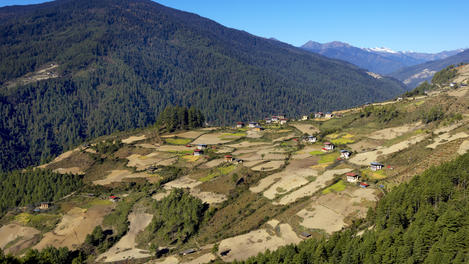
(218, 172)
(191, 158)
(316, 152)
(336, 187)
(43, 222)
(178, 141)
(328, 158)
(374, 175)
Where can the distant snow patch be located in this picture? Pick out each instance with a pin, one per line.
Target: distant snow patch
(375, 75)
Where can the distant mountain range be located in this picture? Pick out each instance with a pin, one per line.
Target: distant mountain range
(379, 60)
(77, 69)
(412, 76)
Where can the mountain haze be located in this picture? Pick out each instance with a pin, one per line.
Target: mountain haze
(416, 74)
(379, 60)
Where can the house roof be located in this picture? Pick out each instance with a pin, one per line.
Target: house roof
(352, 174)
(198, 150)
(344, 151)
(113, 197)
(376, 164)
(228, 156)
(327, 143)
(239, 123)
(364, 184)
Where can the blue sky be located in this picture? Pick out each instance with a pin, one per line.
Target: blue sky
(425, 26)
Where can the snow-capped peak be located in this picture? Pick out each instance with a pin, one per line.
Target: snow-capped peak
(382, 49)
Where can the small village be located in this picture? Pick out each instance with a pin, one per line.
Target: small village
(269, 183)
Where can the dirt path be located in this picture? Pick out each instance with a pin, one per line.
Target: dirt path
(74, 226)
(126, 249)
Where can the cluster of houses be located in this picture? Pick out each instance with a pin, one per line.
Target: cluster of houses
(199, 150)
(278, 119)
(323, 115)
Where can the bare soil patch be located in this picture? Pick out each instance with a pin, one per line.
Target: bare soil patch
(74, 226)
(205, 258)
(366, 158)
(19, 237)
(121, 175)
(306, 128)
(393, 132)
(126, 248)
(244, 246)
(187, 182)
(142, 162)
(332, 211)
(133, 139)
(269, 166)
(464, 147)
(213, 139)
(312, 187)
(213, 163)
(446, 137)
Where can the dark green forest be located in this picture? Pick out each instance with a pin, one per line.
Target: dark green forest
(423, 221)
(22, 188)
(176, 117)
(122, 62)
(176, 218)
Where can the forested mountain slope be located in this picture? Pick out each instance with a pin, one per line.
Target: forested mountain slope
(72, 70)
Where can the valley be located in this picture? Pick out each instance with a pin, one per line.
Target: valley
(249, 189)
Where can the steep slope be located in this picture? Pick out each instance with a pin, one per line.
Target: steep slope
(71, 70)
(379, 60)
(414, 75)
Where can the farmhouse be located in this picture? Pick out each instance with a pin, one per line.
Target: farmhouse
(352, 177)
(364, 184)
(253, 124)
(44, 206)
(268, 120)
(275, 119)
(201, 146)
(305, 235)
(305, 117)
(258, 128)
(311, 139)
(329, 115)
(375, 166)
(198, 152)
(113, 198)
(318, 115)
(328, 146)
(283, 121)
(228, 158)
(345, 154)
(239, 124)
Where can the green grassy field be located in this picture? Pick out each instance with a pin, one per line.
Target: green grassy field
(178, 141)
(337, 187)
